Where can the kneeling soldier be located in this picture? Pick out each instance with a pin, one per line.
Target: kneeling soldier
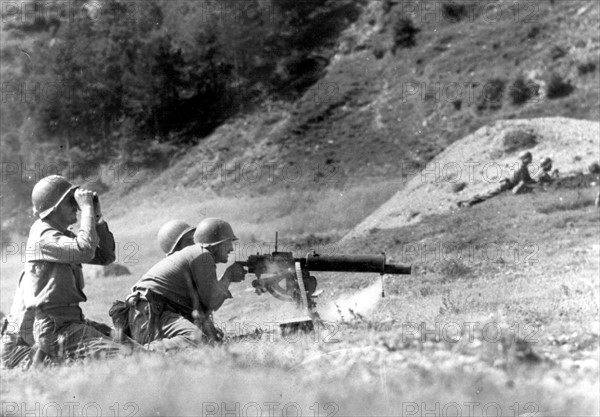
(17, 333)
(53, 281)
(171, 306)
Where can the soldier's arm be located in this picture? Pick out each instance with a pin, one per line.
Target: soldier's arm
(105, 252)
(211, 291)
(56, 246)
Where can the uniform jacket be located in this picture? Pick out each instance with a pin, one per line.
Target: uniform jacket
(20, 320)
(521, 174)
(171, 278)
(53, 271)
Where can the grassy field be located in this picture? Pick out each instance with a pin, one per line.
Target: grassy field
(509, 329)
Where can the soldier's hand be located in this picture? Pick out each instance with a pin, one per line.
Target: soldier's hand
(235, 273)
(211, 332)
(84, 198)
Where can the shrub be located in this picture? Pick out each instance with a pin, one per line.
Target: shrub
(379, 52)
(454, 12)
(491, 96)
(519, 139)
(557, 52)
(458, 187)
(558, 87)
(586, 67)
(522, 91)
(404, 33)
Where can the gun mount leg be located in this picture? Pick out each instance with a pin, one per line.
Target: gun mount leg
(295, 326)
(303, 297)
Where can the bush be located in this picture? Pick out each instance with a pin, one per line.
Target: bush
(458, 187)
(404, 34)
(558, 87)
(522, 91)
(586, 67)
(454, 12)
(519, 139)
(491, 96)
(379, 52)
(557, 52)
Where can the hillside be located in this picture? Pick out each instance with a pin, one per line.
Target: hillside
(370, 114)
(500, 315)
(537, 286)
(478, 163)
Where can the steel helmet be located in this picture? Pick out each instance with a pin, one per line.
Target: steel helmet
(171, 233)
(212, 231)
(546, 162)
(525, 155)
(48, 193)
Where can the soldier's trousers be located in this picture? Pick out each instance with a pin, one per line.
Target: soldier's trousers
(62, 333)
(165, 332)
(480, 198)
(14, 351)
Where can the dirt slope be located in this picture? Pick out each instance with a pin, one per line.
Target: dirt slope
(477, 161)
(365, 114)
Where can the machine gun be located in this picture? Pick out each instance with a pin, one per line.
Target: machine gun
(287, 278)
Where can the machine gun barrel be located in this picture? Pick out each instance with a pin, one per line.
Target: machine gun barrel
(354, 263)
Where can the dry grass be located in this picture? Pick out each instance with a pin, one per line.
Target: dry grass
(374, 360)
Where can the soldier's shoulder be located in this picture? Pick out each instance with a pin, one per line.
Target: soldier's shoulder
(196, 253)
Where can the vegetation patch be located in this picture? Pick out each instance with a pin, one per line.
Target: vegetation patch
(516, 140)
(558, 86)
(405, 34)
(458, 186)
(454, 12)
(523, 91)
(566, 205)
(492, 94)
(586, 67)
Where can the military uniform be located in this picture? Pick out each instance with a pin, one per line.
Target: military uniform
(17, 333)
(53, 286)
(162, 302)
(543, 176)
(520, 182)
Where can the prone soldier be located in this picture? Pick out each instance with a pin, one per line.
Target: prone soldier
(519, 183)
(544, 176)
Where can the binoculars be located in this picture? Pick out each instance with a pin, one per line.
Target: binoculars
(74, 201)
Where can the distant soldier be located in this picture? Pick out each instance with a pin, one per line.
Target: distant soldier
(53, 280)
(172, 304)
(544, 176)
(519, 183)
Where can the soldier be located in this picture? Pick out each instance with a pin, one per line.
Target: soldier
(17, 332)
(544, 176)
(172, 304)
(172, 236)
(175, 235)
(53, 280)
(519, 183)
